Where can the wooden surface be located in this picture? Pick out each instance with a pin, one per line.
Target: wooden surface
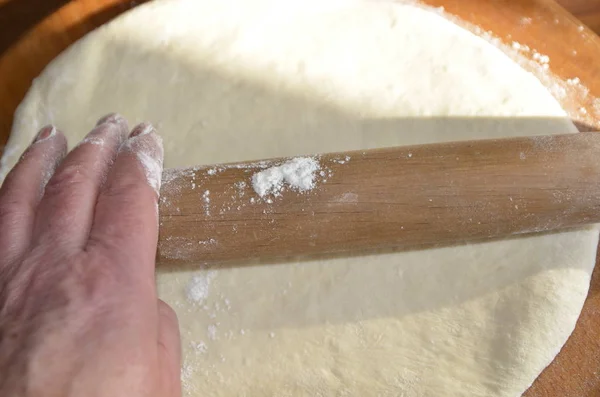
(587, 11)
(541, 24)
(393, 198)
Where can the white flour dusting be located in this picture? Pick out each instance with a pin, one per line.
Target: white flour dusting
(212, 332)
(342, 161)
(200, 347)
(93, 140)
(199, 286)
(206, 198)
(182, 245)
(176, 247)
(298, 173)
(152, 169)
(145, 151)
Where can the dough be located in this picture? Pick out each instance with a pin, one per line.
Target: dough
(233, 80)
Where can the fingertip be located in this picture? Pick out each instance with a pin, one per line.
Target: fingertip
(114, 118)
(49, 141)
(48, 133)
(147, 146)
(110, 130)
(61, 141)
(142, 129)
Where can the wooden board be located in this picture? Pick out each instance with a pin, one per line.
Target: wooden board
(587, 11)
(543, 25)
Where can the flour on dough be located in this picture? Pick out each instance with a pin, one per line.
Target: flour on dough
(233, 80)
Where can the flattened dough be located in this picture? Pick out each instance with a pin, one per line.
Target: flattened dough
(239, 80)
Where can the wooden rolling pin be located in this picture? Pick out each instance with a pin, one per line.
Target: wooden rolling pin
(404, 197)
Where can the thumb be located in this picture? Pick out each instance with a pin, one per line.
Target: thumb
(169, 350)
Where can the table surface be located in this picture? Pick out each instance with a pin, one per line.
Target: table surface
(575, 370)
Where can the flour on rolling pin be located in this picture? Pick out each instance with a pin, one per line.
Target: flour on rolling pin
(218, 195)
(298, 174)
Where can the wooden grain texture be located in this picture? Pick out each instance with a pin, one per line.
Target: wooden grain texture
(541, 24)
(587, 11)
(393, 198)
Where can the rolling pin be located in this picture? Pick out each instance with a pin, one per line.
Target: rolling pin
(394, 198)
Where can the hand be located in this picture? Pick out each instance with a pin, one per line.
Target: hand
(79, 315)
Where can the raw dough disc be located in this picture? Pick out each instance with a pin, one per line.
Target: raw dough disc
(236, 80)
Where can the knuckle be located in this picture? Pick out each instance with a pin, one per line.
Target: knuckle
(128, 195)
(11, 289)
(94, 280)
(71, 176)
(125, 191)
(12, 213)
(22, 282)
(81, 283)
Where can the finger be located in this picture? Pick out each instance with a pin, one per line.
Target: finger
(66, 212)
(169, 350)
(22, 190)
(126, 219)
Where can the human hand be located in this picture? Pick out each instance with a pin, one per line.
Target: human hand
(79, 314)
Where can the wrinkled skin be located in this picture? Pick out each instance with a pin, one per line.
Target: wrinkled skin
(79, 315)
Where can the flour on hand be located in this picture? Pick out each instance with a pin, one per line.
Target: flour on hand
(235, 80)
